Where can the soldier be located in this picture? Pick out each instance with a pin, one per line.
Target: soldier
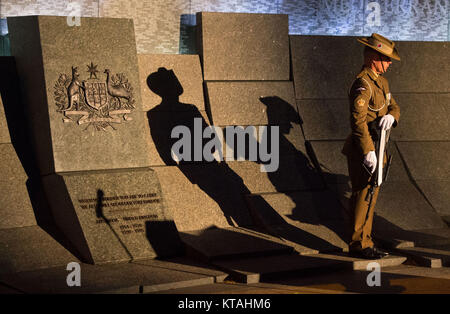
(370, 99)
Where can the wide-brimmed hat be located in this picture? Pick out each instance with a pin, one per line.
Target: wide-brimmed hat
(381, 44)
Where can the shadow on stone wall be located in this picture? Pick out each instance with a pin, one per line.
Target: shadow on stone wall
(20, 134)
(216, 179)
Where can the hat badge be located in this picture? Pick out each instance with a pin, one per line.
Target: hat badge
(379, 46)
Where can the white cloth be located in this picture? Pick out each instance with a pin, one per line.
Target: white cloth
(386, 122)
(370, 160)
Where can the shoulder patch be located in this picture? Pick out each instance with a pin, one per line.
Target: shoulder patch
(361, 102)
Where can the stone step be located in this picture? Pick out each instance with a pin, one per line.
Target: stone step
(392, 243)
(361, 264)
(432, 237)
(428, 257)
(234, 242)
(124, 278)
(253, 270)
(31, 248)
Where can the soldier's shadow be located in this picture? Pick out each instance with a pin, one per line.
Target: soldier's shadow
(216, 179)
(315, 206)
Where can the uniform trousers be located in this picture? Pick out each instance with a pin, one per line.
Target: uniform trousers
(362, 215)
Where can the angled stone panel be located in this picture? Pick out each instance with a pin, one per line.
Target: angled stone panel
(241, 46)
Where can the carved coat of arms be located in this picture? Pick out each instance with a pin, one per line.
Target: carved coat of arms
(93, 101)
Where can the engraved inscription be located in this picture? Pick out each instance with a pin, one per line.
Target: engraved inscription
(122, 207)
(94, 102)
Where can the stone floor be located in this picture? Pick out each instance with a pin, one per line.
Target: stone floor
(403, 279)
(183, 276)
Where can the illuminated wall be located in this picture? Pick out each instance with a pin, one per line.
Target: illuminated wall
(166, 26)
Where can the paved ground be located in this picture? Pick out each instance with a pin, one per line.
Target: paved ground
(405, 279)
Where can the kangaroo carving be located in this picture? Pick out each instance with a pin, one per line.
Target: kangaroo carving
(73, 90)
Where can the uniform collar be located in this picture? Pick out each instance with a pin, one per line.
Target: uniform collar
(373, 75)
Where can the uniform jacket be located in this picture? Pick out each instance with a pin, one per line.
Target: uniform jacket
(369, 98)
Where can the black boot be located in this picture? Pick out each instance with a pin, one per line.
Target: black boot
(369, 253)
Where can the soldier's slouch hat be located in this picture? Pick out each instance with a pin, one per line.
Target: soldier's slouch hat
(381, 44)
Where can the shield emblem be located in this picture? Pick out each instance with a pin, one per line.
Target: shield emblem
(95, 94)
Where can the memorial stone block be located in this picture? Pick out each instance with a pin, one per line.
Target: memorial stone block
(418, 74)
(252, 103)
(426, 160)
(4, 132)
(185, 67)
(201, 196)
(82, 91)
(31, 248)
(415, 109)
(81, 87)
(15, 204)
(253, 47)
(403, 206)
(438, 193)
(114, 216)
(318, 63)
(308, 220)
(325, 119)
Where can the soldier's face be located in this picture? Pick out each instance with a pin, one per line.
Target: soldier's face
(383, 63)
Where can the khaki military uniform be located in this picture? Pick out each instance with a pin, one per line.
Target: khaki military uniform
(369, 98)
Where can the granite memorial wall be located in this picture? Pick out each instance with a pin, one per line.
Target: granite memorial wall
(80, 87)
(101, 116)
(171, 23)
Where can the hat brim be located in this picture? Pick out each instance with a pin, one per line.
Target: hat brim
(393, 55)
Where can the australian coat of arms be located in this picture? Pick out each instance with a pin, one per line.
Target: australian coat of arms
(94, 102)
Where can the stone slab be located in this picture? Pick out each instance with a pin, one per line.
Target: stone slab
(318, 63)
(254, 270)
(426, 160)
(409, 270)
(186, 69)
(15, 205)
(8, 290)
(361, 264)
(253, 47)
(324, 119)
(437, 237)
(30, 248)
(4, 131)
(204, 195)
(437, 193)
(401, 205)
(317, 58)
(16, 123)
(332, 162)
(392, 243)
(433, 72)
(160, 141)
(430, 238)
(114, 278)
(223, 243)
(418, 108)
(294, 172)
(310, 221)
(113, 216)
(187, 265)
(158, 132)
(427, 257)
(46, 49)
(328, 119)
(251, 103)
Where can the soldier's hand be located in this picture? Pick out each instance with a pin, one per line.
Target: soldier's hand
(370, 160)
(386, 122)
